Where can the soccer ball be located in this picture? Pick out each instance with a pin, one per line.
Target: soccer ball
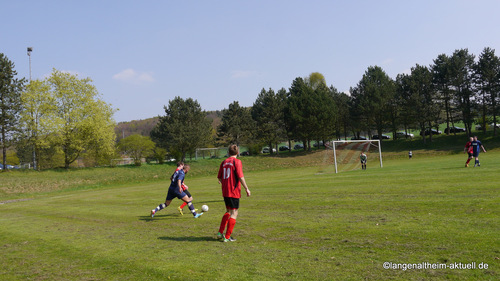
(204, 208)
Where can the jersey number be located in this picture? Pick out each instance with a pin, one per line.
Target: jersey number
(226, 173)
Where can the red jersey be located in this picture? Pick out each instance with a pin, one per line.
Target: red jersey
(469, 147)
(230, 172)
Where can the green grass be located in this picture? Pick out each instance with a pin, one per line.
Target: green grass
(298, 224)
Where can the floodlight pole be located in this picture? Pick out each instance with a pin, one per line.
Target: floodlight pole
(29, 50)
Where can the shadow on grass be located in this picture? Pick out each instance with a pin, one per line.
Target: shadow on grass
(160, 217)
(188, 238)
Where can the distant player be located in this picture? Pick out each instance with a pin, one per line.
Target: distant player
(231, 178)
(175, 190)
(468, 149)
(410, 154)
(476, 148)
(185, 188)
(363, 158)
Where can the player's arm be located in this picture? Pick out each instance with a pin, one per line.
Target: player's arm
(179, 184)
(483, 148)
(244, 183)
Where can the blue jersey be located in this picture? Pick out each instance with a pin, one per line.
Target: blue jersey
(178, 175)
(476, 146)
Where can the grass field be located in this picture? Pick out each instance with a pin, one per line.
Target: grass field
(298, 225)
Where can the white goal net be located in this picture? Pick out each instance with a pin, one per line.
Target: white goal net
(346, 154)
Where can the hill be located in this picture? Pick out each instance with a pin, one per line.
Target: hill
(144, 127)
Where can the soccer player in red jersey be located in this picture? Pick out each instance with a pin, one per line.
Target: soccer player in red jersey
(469, 149)
(231, 178)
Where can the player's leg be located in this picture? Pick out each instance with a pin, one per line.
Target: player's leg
(185, 198)
(161, 207)
(184, 203)
(230, 225)
(223, 224)
(468, 160)
(232, 205)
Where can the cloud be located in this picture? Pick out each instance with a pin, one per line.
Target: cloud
(243, 74)
(131, 76)
(388, 61)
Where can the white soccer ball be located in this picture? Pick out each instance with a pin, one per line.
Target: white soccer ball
(204, 208)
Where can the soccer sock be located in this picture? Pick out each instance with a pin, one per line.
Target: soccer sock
(160, 207)
(183, 205)
(468, 160)
(223, 223)
(230, 227)
(191, 208)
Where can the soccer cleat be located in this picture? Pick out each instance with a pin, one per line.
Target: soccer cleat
(466, 165)
(153, 213)
(478, 164)
(220, 235)
(231, 239)
(180, 211)
(198, 215)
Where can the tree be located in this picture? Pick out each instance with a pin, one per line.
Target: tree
(373, 96)
(422, 98)
(183, 128)
(343, 103)
(236, 124)
(461, 73)
(442, 82)
(267, 111)
(82, 120)
(315, 80)
(37, 119)
(487, 78)
(299, 112)
(10, 103)
(137, 147)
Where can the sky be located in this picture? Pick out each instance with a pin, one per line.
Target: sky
(142, 54)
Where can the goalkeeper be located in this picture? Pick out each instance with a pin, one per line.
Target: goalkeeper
(363, 158)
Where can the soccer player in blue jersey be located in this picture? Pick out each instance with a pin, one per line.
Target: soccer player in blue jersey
(476, 148)
(175, 190)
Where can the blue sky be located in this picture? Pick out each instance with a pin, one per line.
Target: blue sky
(141, 54)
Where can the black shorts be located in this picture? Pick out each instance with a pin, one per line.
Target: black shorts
(475, 153)
(470, 154)
(232, 203)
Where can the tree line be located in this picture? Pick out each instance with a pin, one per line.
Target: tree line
(52, 122)
(62, 118)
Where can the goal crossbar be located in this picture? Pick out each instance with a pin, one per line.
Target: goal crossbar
(354, 141)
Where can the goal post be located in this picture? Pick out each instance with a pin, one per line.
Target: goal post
(361, 148)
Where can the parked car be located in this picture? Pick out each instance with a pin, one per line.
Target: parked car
(479, 127)
(433, 131)
(298, 146)
(9, 167)
(404, 135)
(360, 138)
(384, 137)
(316, 144)
(267, 150)
(454, 130)
(284, 148)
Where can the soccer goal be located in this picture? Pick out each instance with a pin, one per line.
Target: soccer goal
(346, 153)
